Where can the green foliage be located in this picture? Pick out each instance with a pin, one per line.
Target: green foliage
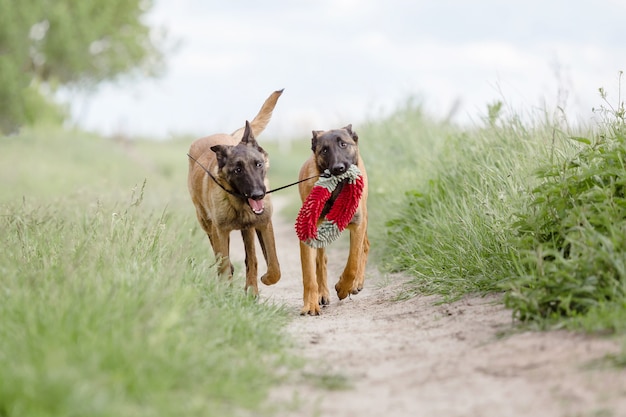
(572, 236)
(453, 232)
(47, 43)
(400, 153)
(531, 209)
(109, 301)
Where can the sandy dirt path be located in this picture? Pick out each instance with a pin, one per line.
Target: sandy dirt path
(420, 358)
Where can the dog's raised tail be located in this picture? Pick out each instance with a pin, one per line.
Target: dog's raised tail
(261, 120)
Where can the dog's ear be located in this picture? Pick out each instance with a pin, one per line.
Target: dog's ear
(316, 134)
(249, 140)
(221, 152)
(352, 133)
(248, 135)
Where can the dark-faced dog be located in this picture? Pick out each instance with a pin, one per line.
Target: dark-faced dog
(231, 194)
(334, 150)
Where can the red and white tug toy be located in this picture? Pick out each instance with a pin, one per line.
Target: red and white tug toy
(340, 213)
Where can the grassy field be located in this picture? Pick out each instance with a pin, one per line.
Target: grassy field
(109, 305)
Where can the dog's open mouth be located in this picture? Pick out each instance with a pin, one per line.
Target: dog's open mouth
(257, 206)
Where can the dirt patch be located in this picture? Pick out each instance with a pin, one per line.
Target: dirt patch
(370, 355)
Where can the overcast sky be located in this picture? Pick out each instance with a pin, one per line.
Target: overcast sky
(343, 61)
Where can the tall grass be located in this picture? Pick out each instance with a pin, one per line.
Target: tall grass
(447, 195)
(401, 153)
(532, 208)
(109, 301)
(454, 232)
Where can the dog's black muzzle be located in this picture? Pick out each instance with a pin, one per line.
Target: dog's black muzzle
(338, 169)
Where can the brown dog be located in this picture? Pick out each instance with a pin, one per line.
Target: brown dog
(334, 150)
(231, 194)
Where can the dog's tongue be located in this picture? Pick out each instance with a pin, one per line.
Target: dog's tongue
(257, 205)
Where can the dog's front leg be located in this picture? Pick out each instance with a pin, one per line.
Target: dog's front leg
(346, 282)
(268, 246)
(309, 281)
(251, 262)
(321, 273)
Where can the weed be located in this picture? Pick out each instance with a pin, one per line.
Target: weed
(572, 235)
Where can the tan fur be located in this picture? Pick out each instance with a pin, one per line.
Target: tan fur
(313, 261)
(219, 213)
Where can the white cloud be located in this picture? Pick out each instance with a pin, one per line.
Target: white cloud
(341, 61)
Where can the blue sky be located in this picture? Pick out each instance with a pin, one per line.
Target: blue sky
(345, 61)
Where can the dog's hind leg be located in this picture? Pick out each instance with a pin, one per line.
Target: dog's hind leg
(226, 268)
(205, 222)
(321, 274)
(268, 246)
(360, 275)
(220, 240)
(251, 262)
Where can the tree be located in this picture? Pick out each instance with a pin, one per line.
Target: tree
(45, 44)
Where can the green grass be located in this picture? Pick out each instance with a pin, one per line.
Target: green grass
(454, 232)
(447, 197)
(534, 209)
(400, 154)
(109, 301)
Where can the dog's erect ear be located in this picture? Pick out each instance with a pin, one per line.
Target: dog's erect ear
(221, 152)
(248, 135)
(316, 133)
(352, 134)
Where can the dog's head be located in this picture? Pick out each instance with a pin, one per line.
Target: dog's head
(335, 149)
(244, 168)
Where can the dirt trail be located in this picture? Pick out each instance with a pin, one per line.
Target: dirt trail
(417, 358)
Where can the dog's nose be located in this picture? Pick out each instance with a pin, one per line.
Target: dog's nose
(338, 169)
(257, 195)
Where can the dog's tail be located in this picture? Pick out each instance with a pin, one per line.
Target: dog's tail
(260, 121)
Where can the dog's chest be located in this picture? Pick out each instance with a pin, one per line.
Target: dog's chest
(332, 199)
(236, 215)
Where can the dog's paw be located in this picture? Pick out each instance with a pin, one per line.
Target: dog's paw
(342, 292)
(270, 278)
(251, 290)
(323, 295)
(357, 289)
(324, 300)
(312, 310)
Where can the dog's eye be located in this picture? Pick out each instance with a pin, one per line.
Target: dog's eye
(342, 144)
(237, 170)
(259, 164)
(324, 150)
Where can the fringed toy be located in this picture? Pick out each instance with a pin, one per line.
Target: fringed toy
(340, 213)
